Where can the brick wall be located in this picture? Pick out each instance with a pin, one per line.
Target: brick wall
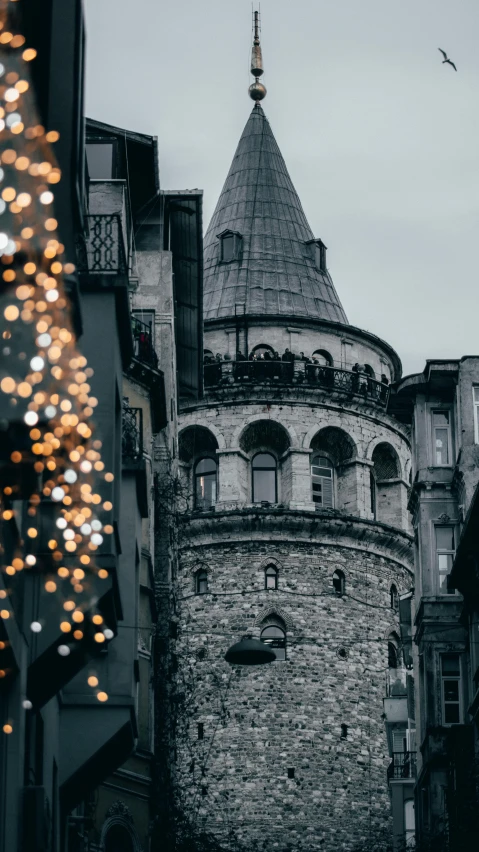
(261, 722)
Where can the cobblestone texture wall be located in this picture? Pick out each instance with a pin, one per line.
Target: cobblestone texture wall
(261, 723)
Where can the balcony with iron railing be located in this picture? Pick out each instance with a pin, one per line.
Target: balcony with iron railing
(402, 766)
(240, 376)
(105, 247)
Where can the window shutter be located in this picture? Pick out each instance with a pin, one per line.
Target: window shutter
(398, 741)
(327, 491)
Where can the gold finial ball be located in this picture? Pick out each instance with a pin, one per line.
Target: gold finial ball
(257, 91)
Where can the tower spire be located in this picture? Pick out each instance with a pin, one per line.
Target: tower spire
(256, 91)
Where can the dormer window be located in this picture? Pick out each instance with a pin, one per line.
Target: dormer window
(230, 245)
(318, 250)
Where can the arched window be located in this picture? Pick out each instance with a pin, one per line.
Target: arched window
(118, 839)
(322, 481)
(323, 357)
(392, 656)
(264, 478)
(394, 598)
(205, 483)
(263, 349)
(275, 637)
(339, 582)
(201, 581)
(344, 732)
(271, 577)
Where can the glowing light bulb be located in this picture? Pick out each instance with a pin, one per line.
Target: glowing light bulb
(63, 650)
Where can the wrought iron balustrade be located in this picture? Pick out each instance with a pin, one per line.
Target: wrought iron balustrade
(143, 348)
(332, 379)
(403, 765)
(132, 434)
(105, 247)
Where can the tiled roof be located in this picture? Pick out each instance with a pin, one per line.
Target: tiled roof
(275, 273)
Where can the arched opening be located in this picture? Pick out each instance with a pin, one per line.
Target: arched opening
(205, 483)
(199, 473)
(336, 448)
(271, 577)
(394, 598)
(388, 490)
(263, 351)
(264, 441)
(339, 582)
(323, 357)
(118, 839)
(369, 371)
(274, 635)
(392, 656)
(201, 581)
(264, 479)
(344, 732)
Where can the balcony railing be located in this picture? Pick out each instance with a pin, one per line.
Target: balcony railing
(331, 379)
(105, 246)
(402, 766)
(132, 434)
(143, 348)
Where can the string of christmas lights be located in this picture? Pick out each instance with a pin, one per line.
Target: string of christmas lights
(54, 462)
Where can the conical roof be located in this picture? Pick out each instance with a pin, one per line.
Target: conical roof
(275, 273)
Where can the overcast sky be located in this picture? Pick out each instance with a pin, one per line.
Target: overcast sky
(381, 140)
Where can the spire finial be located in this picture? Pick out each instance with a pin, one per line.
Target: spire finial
(256, 91)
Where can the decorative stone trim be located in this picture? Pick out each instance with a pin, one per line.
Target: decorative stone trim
(273, 611)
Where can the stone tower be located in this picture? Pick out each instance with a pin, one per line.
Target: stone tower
(295, 530)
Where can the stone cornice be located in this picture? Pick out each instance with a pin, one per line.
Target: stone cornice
(322, 528)
(292, 397)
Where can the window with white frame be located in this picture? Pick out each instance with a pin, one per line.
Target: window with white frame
(445, 550)
(475, 397)
(451, 689)
(441, 438)
(322, 481)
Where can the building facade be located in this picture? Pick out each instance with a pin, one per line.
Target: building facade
(295, 529)
(77, 647)
(441, 406)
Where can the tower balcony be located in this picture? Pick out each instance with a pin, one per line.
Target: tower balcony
(240, 376)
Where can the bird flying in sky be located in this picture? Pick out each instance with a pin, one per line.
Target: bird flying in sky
(446, 58)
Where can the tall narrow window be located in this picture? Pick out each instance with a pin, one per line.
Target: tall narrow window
(322, 481)
(271, 577)
(205, 483)
(445, 549)
(441, 437)
(475, 392)
(201, 582)
(392, 656)
(275, 637)
(394, 598)
(264, 478)
(339, 582)
(372, 486)
(451, 689)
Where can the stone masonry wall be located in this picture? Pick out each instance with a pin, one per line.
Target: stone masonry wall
(260, 723)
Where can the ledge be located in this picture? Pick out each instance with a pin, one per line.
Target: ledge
(325, 527)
